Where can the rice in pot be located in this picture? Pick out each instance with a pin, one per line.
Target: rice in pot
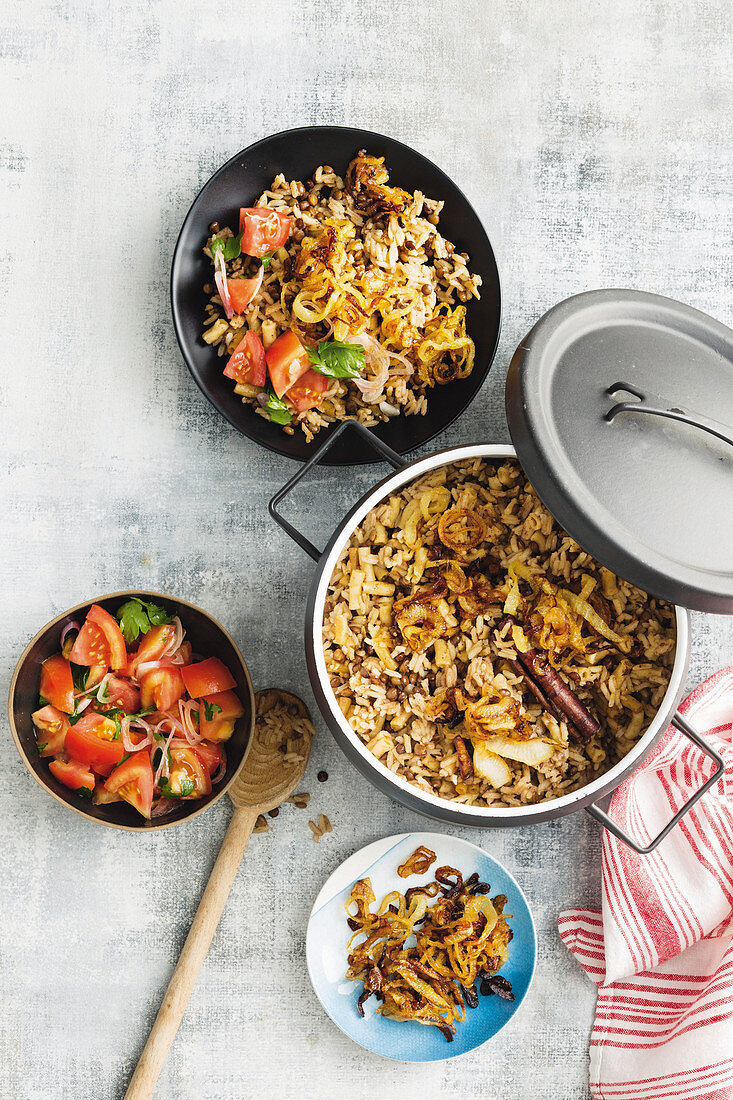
(444, 598)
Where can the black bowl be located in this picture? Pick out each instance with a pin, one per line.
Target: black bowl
(207, 637)
(297, 153)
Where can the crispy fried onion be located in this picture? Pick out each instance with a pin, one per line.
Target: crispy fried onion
(497, 711)
(460, 529)
(552, 625)
(417, 863)
(420, 621)
(423, 961)
(365, 180)
(479, 596)
(446, 351)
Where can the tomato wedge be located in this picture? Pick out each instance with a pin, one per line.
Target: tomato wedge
(211, 755)
(57, 683)
(111, 630)
(153, 645)
(287, 360)
(242, 291)
(220, 725)
(133, 781)
(121, 693)
(73, 774)
(248, 363)
(91, 740)
(189, 776)
(161, 688)
(51, 726)
(307, 391)
(263, 230)
(207, 677)
(91, 647)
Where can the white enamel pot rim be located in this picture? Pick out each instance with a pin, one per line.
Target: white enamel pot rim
(396, 786)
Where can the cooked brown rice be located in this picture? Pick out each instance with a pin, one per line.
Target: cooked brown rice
(394, 695)
(388, 278)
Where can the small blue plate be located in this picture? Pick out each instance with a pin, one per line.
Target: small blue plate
(328, 936)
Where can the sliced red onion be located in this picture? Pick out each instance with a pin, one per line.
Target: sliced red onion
(377, 360)
(189, 726)
(148, 666)
(83, 704)
(220, 278)
(262, 398)
(163, 765)
(127, 743)
(67, 630)
(162, 806)
(176, 639)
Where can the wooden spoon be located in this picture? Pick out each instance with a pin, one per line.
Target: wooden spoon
(265, 781)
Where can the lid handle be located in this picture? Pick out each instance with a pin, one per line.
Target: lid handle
(656, 406)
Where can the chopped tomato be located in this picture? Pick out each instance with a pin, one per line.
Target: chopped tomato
(72, 773)
(161, 688)
(51, 726)
(121, 693)
(110, 628)
(287, 360)
(229, 709)
(207, 677)
(263, 230)
(91, 647)
(102, 797)
(57, 684)
(211, 755)
(95, 674)
(242, 291)
(307, 391)
(221, 729)
(92, 741)
(248, 364)
(153, 644)
(133, 781)
(187, 768)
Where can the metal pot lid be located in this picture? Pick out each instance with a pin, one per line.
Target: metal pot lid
(620, 406)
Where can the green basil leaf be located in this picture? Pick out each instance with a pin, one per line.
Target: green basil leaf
(42, 746)
(337, 359)
(230, 247)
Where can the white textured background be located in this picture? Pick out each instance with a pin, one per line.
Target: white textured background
(595, 141)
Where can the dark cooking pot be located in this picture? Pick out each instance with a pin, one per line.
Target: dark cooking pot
(409, 795)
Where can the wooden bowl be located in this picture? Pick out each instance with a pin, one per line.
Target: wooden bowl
(207, 636)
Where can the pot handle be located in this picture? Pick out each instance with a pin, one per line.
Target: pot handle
(348, 425)
(644, 849)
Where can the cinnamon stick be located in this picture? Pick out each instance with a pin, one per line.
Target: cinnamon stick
(551, 691)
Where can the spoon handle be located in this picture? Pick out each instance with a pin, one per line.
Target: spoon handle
(192, 956)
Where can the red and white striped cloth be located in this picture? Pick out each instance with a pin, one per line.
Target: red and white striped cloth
(661, 949)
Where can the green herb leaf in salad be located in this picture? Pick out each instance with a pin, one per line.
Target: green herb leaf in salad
(337, 359)
(210, 709)
(41, 747)
(230, 247)
(84, 792)
(137, 616)
(187, 787)
(266, 259)
(42, 702)
(277, 410)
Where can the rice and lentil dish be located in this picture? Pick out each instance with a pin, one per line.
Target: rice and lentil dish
(339, 299)
(479, 653)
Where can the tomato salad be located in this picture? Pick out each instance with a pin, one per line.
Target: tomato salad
(128, 712)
